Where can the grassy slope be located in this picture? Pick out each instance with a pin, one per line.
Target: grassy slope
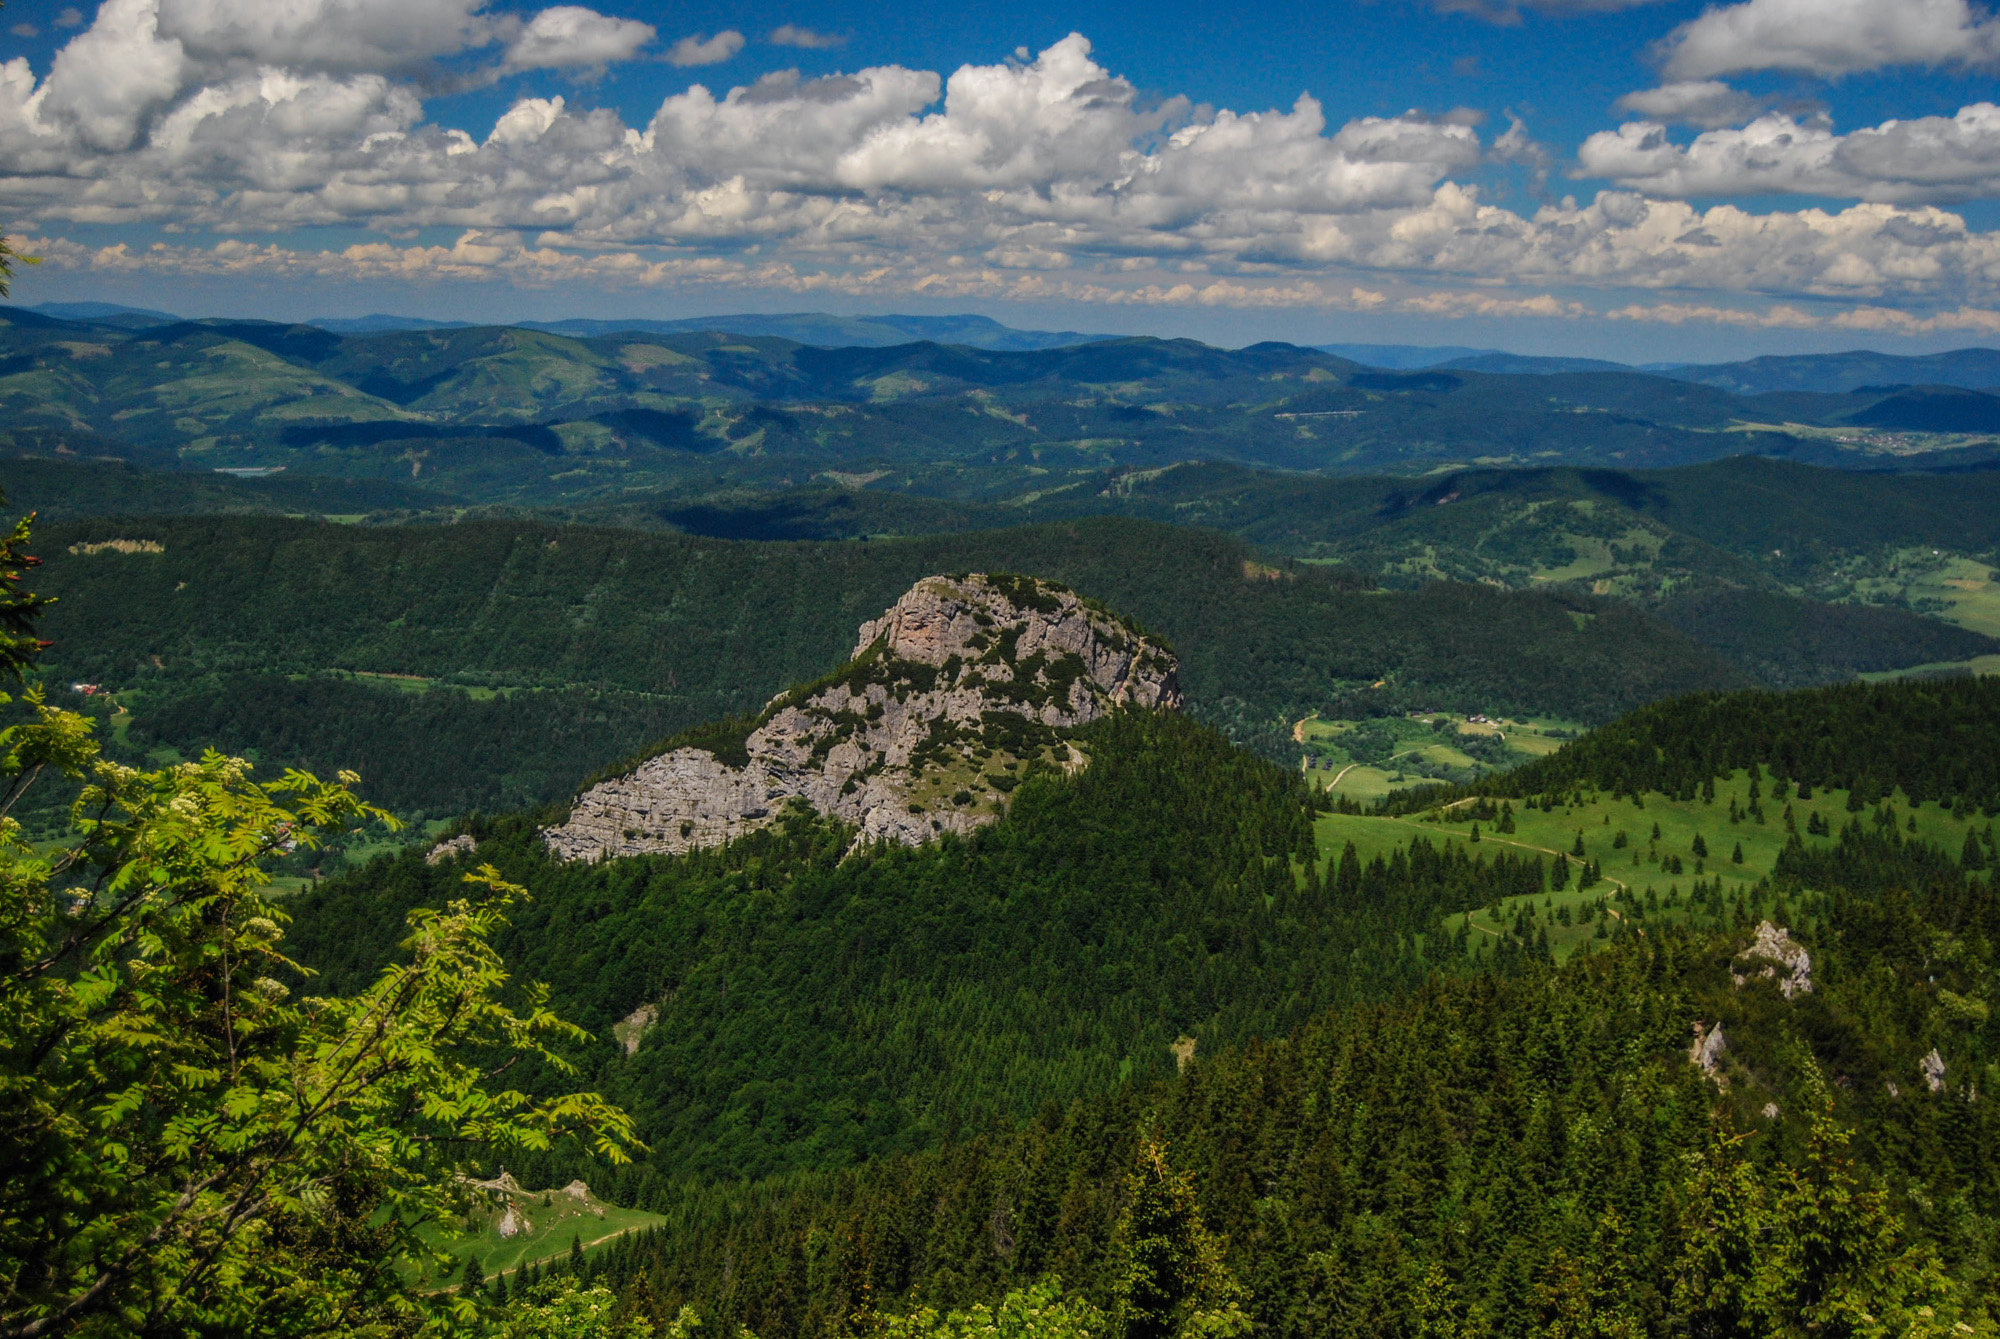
(556, 1219)
(1636, 867)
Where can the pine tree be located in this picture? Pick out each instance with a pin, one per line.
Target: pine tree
(1700, 847)
(1736, 856)
(1972, 858)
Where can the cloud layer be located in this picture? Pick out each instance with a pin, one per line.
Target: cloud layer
(1931, 158)
(1048, 176)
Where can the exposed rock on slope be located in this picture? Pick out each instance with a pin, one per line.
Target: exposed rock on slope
(1774, 953)
(950, 696)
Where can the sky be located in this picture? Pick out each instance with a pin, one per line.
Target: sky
(1633, 179)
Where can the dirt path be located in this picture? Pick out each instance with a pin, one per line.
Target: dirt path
(1351, 766)
(563, 1253)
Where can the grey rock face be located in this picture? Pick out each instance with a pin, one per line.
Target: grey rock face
(1775, 954)
(961, 683)
(1705, 1052)
(463, 844)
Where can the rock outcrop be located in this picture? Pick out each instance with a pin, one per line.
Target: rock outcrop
(463, 844)
(1774, 954)
(963, 685)
(1705, 1053)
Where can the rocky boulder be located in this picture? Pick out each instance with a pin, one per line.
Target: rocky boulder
(951, 696)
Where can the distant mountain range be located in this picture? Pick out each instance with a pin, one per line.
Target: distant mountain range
(1814, 373)
(1404, 357)
(813, 328)
(498, 414)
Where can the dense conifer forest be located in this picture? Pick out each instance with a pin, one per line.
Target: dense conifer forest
(815, 1008)
(925, 1077)
(633, 636)
(1501, 1152)
(1147, 1058)
(1932, 740)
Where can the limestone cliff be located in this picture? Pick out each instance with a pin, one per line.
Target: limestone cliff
(963, 685)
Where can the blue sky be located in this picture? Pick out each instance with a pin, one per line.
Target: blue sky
(1645, 180)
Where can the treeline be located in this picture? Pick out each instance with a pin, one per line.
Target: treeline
(1931, 739)
(713, 627)
(1785, 642)
(442, 751)
(1493, 1154)
(59, 490)
(813, 1007)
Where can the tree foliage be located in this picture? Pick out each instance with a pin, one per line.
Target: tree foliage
(192, 1148)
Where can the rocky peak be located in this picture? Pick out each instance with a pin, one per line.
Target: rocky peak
(951, 696)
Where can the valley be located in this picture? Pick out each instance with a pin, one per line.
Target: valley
(1430, 872)
(835, 672)
(1356, 758)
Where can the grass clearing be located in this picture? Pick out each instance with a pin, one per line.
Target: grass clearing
(1957, 589)
(516, 1228)
(1367, 759)
(1976, 665)
(1640, 881)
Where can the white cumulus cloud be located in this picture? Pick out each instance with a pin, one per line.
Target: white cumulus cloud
(698, 50)
(1042, 177)
(108, 77)
(791, 34)
(1930, 158)
(568, 36)
(1708, 103)
(339, 35)
(1830, 37)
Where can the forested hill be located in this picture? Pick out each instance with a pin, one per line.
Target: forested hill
(701, 628)
(807, 1010)
(1933, 740)
(1533, 1155)
(527, 416)
(927, 1075)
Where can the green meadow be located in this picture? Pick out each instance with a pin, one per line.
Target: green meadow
(1363, 760)
(556, 1219)
(1646, 850)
